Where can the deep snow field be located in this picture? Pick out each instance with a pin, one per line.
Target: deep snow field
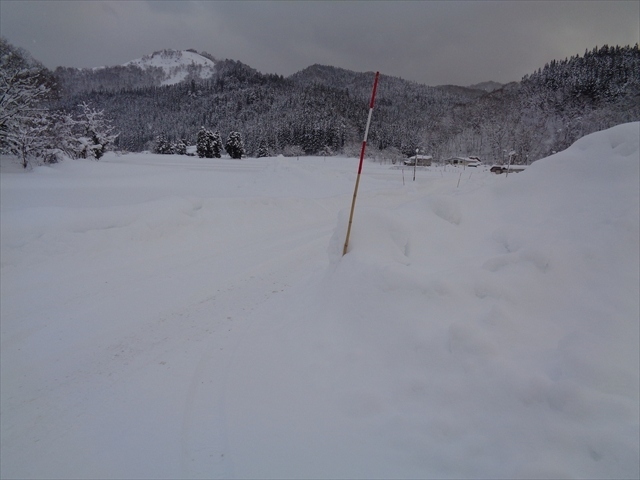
(177, 317)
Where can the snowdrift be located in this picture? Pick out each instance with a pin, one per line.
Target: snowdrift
(491, 333)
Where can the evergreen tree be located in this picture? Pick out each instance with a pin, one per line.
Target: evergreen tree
(180, 147)
(210, 138)
(263, 149)
(162, 146)
(216, 145)
(234, 145)
(202, 144)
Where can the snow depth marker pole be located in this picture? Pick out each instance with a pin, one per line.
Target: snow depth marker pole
(364, 145)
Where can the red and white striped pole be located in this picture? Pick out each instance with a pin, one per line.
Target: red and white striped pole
(364, 145)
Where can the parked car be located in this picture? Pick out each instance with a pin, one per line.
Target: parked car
(504, 168)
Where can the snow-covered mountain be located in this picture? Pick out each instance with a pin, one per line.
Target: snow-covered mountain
(177, 65)
(164, 67)
(270, 108)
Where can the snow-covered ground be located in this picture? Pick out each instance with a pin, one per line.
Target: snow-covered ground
(176, 317)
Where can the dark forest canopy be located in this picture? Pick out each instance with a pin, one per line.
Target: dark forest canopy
(323, 109)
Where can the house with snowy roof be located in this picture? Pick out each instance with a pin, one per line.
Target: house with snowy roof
(469, 161)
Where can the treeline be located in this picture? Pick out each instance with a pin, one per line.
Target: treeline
(30, 129)
(73, 81)
(323, 110)
(284, 114)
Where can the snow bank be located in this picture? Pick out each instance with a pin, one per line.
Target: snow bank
(490, 334)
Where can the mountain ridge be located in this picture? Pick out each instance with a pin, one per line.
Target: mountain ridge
(320, 108)
(177, 64)
(200, 66)
(488, 86)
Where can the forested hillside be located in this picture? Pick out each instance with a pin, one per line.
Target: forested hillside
(323, 109)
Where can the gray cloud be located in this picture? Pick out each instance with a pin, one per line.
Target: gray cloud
(432, 42)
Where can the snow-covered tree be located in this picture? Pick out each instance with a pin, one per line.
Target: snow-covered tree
(62, 142)
(162, 146)
(28, 139)
(95, 133)
(263, 149)
(29, 128)
(216, 145)
(23, 117)
(326, 107)
(295, 151)
(179, 147)
(203, 146)
(20, 102)
(234, 145)
(208, 144)
(210, 141)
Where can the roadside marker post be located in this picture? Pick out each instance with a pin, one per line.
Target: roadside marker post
(364, 146)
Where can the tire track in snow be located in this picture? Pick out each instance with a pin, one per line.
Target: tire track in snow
(268, 269)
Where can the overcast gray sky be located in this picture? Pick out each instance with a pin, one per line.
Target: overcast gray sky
(431, 42)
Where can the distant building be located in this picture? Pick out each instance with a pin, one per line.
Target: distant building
(469, 161)
(423, 161)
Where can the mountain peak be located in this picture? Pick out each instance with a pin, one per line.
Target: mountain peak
(177, 64)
